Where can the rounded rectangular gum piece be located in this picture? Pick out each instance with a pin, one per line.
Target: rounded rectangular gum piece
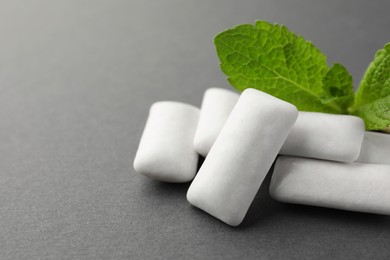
(325, 136)
(216, 106)
(375, 148)
(240, 158)
(166, 151)
(347, 186)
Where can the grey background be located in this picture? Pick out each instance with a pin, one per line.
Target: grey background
(77, 79)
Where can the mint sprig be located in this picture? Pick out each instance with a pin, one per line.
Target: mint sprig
(373, 95)
(273, 59)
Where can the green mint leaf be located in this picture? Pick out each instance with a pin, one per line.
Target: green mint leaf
(372, 99)
(338, 87)
(274, 60)
(376, 114)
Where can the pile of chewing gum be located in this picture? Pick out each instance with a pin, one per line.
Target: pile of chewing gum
(322, 159)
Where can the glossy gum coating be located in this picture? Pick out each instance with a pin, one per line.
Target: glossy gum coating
(216, 106)
(244, 151)
(325, 136)
(166, 151)
(347, 186)
(375, 148)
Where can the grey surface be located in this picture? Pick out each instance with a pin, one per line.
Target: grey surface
(77, 79)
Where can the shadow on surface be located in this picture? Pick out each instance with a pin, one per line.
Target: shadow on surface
(200, 162)
(335, 215)
(161, 189)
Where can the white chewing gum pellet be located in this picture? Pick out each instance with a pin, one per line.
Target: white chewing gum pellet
(347, 186)
(325, 136)
(375, 148)
(166, 150)
(240, 158)
(216, 106)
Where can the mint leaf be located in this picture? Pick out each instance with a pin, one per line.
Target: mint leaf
(372, 100)
(338, 87)
(376, 114)
(376, 80)
(274, 60)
